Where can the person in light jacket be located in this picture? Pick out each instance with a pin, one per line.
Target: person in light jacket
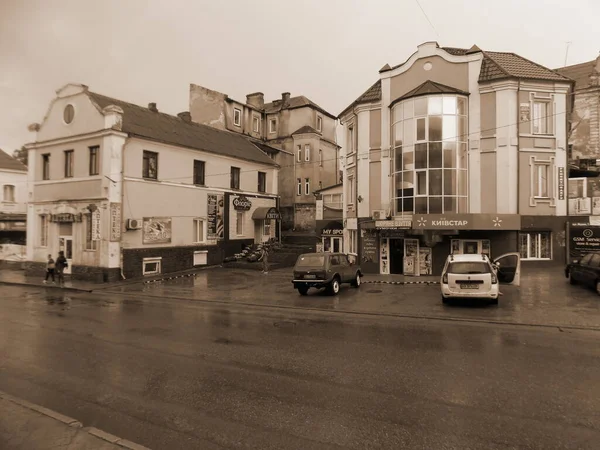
(49, 269)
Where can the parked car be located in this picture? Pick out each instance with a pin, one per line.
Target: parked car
(325, 270)
(585, 271)
(475, 276)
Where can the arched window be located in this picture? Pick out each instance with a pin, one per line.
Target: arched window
(430, 135)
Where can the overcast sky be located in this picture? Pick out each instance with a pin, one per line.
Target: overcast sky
(328, 50)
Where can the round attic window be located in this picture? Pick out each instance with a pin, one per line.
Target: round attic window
(69, 113)
(427, 66)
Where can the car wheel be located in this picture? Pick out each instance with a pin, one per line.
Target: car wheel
(494, 301)
(571, 280)
(303, 290)
(356, 282)
(598, 287)
(334, 286)
(444, 300)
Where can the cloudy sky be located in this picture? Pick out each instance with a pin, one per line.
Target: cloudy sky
(146, 51)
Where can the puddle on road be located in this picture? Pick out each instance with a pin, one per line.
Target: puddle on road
(284, 324)
(374, 291)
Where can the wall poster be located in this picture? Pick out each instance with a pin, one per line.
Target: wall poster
(216, 224)
(385, 266)
(424, 261)
(156, 230)
(411, 255)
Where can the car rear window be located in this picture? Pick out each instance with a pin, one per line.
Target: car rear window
(311, 261)
(469, 267)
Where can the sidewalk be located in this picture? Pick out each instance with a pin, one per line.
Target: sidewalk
(400, 279)
(26, 426)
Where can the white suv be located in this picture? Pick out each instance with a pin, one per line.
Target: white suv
(475, 276)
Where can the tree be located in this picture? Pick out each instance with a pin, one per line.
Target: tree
(21, 155)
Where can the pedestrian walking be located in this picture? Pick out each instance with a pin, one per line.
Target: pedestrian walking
(265, 259)
(60, 266)
(49, 269)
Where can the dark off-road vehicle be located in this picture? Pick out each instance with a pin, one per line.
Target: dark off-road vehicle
(325, 270)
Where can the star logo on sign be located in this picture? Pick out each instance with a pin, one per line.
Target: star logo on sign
(497, 222)
(422, 222)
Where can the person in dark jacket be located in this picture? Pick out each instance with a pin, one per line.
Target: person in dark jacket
(61, 265)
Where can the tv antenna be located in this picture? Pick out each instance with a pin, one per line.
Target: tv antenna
(567, 52)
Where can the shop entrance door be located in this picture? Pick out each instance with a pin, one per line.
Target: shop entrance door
(397, 256)
(65, 244)
(332, 244)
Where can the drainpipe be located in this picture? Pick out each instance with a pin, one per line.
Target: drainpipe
(122, 205)
(519, 154)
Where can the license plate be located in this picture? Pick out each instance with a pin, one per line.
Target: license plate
(469, 286)
(310, 277)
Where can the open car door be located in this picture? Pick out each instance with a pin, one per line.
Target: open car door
(509, 268)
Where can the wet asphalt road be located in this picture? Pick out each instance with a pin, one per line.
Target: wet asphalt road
(179, 374)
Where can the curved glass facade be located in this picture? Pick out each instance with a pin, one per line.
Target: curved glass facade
(430, 135)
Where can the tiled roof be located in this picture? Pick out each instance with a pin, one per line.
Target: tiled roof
(497, 65)
(140, 121)
(7, 162)
(305, 129)
(373, 94)
(455, 51)
(293, 103)
(430, 87)
(579, 72)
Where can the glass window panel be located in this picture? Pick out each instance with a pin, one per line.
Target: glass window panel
(435, 155)
(421, 183)
(408, 109)
(450, 158)
(462, 204)
(408, 204)
(544, 245)
(449, 204)
(398, 206)
(435, 105)
(421, 205)
(461, 103)
(421, 106)
(435, 128)
(408, 181)
(421, 130)
(449, 130)
(462, 155)
(435, 182)
(420, 156)
(398, 132)
(449, 105)
(397, 159)
(462, 129)
(523, 245)
(435, 205)
(409, 133)
(462, 182)
(449, 182)
(408, 160)
(533, 244)
(398, 113)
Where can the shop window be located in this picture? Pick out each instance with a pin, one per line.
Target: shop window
(150, 165)
(234, 182)
(9, 193)
(239, 224)
(237, 117)
(151, 266)
(94, 160)
(46, 166)
(90, 244)
(69, 160)
(199, 231)
(43, 230)
(267, 227)
(535, 245)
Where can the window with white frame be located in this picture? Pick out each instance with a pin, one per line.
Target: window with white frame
(90, 243)
(306, 186)
(540, 180)
(267, 227)
(199, 231)
(43, 230)
(151, 266)
(9, 193)
(299, 153)
(535, 245)
(320, 157)
(237, 117)
(307, 152)
(540, 119)
(353, 247)
(255, 124)
(272, 125)
(298, 186)
(351, 191)
(319, 123)
(239, 223)
(350, 140)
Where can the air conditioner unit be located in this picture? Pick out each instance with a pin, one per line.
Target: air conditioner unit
(379, 214)
(133, 224)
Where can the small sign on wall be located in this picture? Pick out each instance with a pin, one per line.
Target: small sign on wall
(115, 222)
(561, 183)
(524, 112)
(96, 225)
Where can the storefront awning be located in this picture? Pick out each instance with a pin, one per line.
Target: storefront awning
(266, 213)
(332, 228)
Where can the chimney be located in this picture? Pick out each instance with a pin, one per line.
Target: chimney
(256, 100)
(285, 99)
(185, 116)
(152, 107)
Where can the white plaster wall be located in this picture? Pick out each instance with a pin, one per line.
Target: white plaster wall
(362, 163)
(560, 108)
(507, 150)
(385, 144)
(473, 146)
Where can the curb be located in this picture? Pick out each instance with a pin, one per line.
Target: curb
(173, 277)
(45, 286)
(74, 423)
(401, 282)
